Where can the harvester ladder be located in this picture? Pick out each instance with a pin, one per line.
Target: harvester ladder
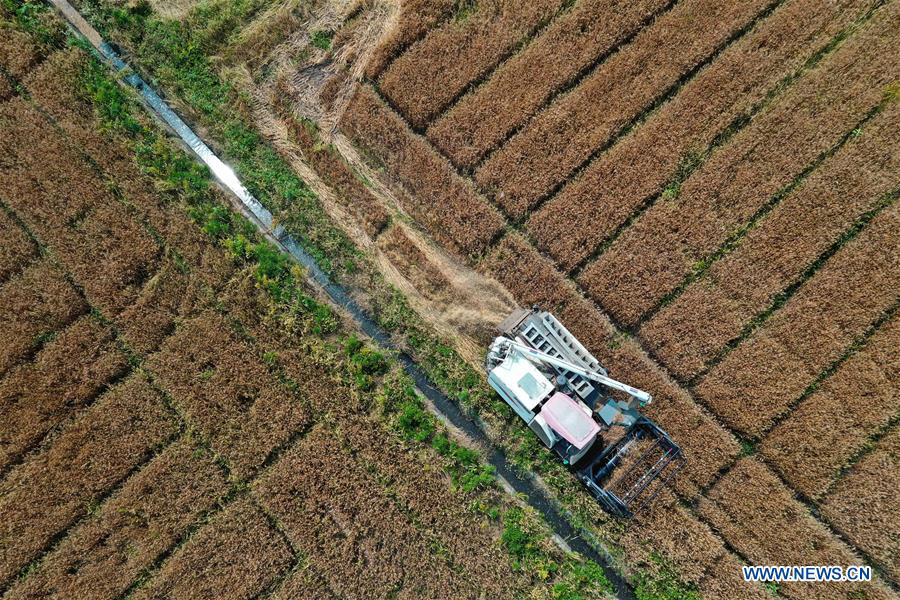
(539, 341)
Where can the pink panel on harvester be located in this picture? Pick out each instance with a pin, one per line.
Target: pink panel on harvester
(568, 419)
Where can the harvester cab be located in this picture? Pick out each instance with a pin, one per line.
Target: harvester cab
(591, 421)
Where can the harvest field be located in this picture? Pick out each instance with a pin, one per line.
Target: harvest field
(181, 417)
(703, 192)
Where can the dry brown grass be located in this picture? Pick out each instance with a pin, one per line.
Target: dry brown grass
(484, 118)
(414, 19)
(227, 392)
(688, 332)
(564, 135)
(100, 558)
(865, 504)
(668, 531)
(110, 253)
(812, 330)
(426, 78)
(16, 248)
(237, 555)
(662, 247)
(412, 262)
(38, 396)
(812, 445)
(351, 531)
(757, 515)
(470, 540)
(18, 53)
(33, 306)
(439, 199)
(723, 581)
(47, 493)
(336, 172)
(641, 164)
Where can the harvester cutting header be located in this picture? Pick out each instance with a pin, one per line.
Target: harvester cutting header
(588, 419)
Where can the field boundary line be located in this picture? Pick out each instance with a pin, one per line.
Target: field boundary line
(782, 297)
(515, 49)
(734, 241)
(570, 85)
(858, 342)
(650, 108)
(729, 131)
(866, 448)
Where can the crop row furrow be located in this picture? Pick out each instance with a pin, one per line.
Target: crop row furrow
(864, 504)
(102, 556)
(120, 432)
(226, 392)
(807, 227)
(667, 146)
(749, 175)
(440, 511)
(814, 328)
(34, 306)
(354, 535)
(426, 78)
(812, 446)
(442, 201)
(761, 518)
(592, 32)
(237, 555)
(605, 105)
(65, 376)
(16, 248)
(77, 218)
(415, 18)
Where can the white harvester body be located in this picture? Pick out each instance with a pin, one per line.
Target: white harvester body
(557, 388)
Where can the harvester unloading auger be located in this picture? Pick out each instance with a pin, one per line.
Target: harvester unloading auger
(563, 394)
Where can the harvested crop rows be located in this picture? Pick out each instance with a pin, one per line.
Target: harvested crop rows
(724, 189)
(151, 387)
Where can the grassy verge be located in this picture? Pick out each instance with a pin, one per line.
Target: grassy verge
(176, 56)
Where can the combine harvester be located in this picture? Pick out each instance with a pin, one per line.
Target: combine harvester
(590, 420)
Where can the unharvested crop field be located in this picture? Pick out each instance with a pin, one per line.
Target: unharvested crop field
(704, 192)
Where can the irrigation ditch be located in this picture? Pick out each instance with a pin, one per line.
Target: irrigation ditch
(526, 488)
